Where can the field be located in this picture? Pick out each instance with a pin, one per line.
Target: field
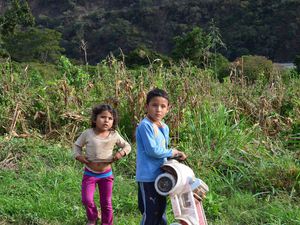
(242, 138)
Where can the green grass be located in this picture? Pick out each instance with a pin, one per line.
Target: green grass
(240, 139)
(244, 208)
(42, 186)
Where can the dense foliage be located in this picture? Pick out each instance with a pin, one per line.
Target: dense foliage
(241, 136)
(21, 41)
(17, 15)
(270, 29)
(238, 122)
(34, 45)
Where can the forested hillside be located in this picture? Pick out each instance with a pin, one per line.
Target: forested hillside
(267, 28)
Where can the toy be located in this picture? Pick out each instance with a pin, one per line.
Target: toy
(185, 191)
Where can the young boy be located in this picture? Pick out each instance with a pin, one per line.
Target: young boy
(152, 136)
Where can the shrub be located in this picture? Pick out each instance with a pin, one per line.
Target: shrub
(143, 56)
(221, 66)
(256, 68)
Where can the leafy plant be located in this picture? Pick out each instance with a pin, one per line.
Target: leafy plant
(34, 45)
(193, 46)
(256, 68)
(17, 15)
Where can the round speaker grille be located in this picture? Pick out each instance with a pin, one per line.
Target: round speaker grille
(165, 184)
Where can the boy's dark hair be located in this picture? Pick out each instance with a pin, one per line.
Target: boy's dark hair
(101, 108)
(156, 92)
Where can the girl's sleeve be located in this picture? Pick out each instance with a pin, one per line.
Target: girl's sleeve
(79, 143)
(146, 134)
(124, 145)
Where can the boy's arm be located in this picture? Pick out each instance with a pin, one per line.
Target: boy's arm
(146, 134)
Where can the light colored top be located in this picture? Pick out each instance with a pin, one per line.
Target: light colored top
(152, 150)
(98, 149)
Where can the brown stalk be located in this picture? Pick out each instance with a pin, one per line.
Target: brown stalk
(49, 119)
(14, 120)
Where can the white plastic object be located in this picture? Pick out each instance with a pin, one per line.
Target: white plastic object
(185, 191)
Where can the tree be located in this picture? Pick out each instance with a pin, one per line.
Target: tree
(34, 45)
(215, 40)
(193, 46)
(256, 68)
(17, 16)
(23, 42)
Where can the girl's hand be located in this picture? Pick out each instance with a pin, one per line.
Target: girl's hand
(82, 159)
(118, 155)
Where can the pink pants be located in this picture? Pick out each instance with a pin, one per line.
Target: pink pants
(105, 182)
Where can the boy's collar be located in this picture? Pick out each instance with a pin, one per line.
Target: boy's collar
(159, 123)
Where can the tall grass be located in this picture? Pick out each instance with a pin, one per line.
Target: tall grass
(236, 159)
(241, 139)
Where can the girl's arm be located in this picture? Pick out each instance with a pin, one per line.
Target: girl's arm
(78, 154)
(119, 155)
(77, 148)
(124, 145)
(125, 148)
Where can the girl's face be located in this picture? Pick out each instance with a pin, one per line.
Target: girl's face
(104, 121)
(157, 108)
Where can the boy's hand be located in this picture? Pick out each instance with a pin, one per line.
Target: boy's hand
(181, 156)
(82, 159)
(118, 155)
(178, 154)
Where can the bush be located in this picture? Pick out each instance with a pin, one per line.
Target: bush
(221, 66)
(256, 68)
(143, 57)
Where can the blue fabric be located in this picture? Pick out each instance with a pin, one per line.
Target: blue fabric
(98, 175)
(151, 205)
(152, 150)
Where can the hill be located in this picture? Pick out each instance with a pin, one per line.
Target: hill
(248, 27)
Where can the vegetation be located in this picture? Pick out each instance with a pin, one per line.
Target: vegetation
(247, 27)
(297, 63)
(194, 46)
(34, 45)
(241, 138)
(16, 17)
(22, 41)
(238, 122)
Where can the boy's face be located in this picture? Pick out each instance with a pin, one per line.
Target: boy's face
(157, 108)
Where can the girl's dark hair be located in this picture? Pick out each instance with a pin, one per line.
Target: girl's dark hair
(101, 108)
(156, 92)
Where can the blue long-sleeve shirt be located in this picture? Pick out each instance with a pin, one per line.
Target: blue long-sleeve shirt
(152, 150)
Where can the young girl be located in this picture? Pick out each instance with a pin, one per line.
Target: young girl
(99, 142)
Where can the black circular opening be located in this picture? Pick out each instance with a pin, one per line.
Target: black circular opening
(165, 184)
